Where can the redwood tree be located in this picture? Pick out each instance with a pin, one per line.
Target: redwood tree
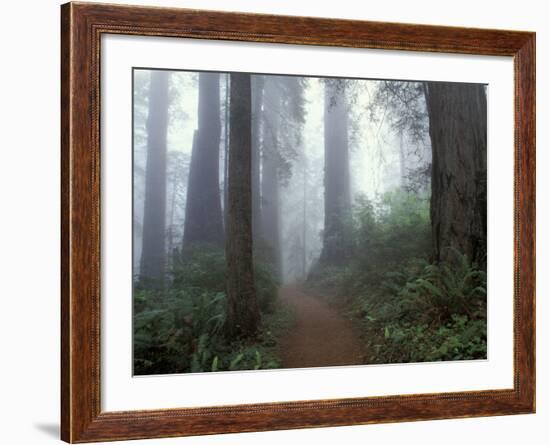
(337, 176)
(270, 232)
(243, 315)
(458, 132)
(153, 255)
(257, 85)
(203, 215)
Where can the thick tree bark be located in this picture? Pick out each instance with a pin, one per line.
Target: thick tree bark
(271, 233)
(153, 255)
(458, 132)
(243, 315)
(203, 215)
(337, 177)
(257, 100)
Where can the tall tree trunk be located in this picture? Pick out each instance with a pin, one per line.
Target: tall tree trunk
(153, 255)
(458, 132)
(243, 315)
(226, 148)
(257, 100)
(271, 233)
(402, 161)
(172, 212)
(304, 217)
(203, 214)
(337, 177)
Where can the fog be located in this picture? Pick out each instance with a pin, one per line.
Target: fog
(383, 153)
(285, 221)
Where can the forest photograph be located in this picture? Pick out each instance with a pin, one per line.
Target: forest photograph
(284, 221)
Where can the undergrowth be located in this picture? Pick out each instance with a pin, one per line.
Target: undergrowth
(426, 312)
(179, 328)
(410, 310)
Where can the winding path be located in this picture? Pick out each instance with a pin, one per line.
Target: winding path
(320, 337)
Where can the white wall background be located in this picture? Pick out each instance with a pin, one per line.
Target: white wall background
(29, 221)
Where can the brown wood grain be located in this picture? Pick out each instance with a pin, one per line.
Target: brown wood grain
(81, 28)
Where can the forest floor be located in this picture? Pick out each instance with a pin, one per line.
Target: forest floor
(320, 336)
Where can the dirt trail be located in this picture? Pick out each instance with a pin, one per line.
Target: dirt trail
(320, 337)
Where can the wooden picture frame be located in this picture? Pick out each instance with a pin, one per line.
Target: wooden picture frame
(82, 25)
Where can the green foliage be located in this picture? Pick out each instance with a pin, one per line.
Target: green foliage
(180, 328)
(174, 328)
(427, 312)
(385, 233)
(202, 268)
(390, 230)
(410, 310)
(266, 286)
(443, 290)
(328, 278)
(458, 339)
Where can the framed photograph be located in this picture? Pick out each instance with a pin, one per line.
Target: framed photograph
(274, 222)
